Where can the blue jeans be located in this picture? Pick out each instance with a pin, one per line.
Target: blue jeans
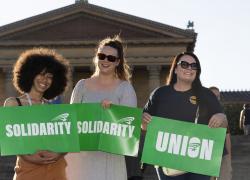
(186, 176)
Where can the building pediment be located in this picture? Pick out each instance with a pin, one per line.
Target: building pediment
(86, 22)
(81, 26)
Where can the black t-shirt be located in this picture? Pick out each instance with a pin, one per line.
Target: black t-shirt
(166, 102)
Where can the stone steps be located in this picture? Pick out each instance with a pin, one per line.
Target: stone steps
(241, 157)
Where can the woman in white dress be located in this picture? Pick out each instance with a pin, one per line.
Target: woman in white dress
(109, 84)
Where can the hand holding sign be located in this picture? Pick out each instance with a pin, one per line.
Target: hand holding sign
(42, 157)
(218, 120)
(184, 146)
(146, 118)
(106, 103)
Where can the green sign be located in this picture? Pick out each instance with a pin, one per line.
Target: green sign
(115, 130)
(70, 128)
(27, 129)
(184, 146)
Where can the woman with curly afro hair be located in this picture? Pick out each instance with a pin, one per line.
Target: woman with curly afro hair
(39, 75)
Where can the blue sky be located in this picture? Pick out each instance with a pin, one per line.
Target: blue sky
(223, 28)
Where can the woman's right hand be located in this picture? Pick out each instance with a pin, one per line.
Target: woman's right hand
(106, 103)
(41, 157)
(146, 118)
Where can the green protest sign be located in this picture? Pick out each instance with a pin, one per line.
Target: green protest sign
(27, 129)
(70, 128)
(87, 114)
(184, 146)
(115, 129)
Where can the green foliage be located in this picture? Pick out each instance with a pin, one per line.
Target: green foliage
(233, 115)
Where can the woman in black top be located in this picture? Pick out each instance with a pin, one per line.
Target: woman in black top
(180, 99)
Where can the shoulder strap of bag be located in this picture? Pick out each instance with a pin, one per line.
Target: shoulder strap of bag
(196, 115)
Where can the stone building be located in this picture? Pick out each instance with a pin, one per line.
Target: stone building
(75, 30)
(235, 97)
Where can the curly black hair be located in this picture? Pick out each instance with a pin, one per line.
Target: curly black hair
(35, 61)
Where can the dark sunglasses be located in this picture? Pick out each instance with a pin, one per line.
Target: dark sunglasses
(110, 58)
(185, 65)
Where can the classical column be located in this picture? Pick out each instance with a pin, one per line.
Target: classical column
(92, 69)
(154, 76)
(67, 93)
(8, 86)
(132, 73)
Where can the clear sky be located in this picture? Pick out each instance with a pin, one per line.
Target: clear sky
(223, 28)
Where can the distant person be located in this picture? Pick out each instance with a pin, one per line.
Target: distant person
(226, 166)
(245, 119)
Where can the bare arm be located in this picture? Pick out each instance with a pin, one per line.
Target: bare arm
(146, 119)
(242, 119)
(228, 144)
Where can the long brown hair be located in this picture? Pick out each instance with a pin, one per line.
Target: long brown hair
(122, 71)
(196, 84)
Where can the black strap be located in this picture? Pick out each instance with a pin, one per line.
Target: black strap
(18, 101)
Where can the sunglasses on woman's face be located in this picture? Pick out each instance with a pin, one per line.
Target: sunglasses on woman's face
(110, 58)
(185, 65)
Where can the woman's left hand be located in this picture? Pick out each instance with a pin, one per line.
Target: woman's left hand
(106, 103)
(218, 120)
(50, 157)
(43, 157)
